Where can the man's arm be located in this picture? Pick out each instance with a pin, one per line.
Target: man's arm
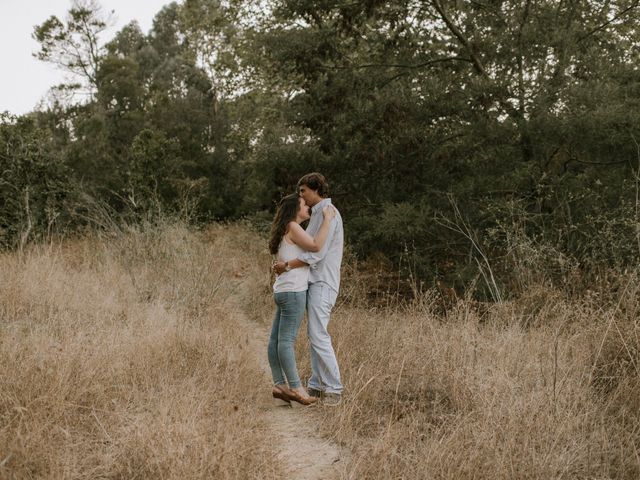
(311, 258)
(281, 267)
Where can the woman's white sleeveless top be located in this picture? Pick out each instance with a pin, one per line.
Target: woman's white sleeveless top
(296, 279)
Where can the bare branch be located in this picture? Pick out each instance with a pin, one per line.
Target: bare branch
(423, 64)
(606, 24)
(477, 63)
(401, 65)
(521, 88)
(395, 77)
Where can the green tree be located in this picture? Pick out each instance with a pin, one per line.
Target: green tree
(74, 45)
(417, 103)
(34, 182)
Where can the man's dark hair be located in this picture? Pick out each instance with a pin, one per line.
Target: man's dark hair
(315, 181)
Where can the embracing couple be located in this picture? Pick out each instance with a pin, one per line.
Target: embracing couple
(307, 271)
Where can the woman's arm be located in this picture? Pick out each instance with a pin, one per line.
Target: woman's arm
(306, 241)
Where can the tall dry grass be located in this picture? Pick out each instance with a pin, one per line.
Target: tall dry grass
(122, 357)
(126, 358)
(541, 387)
(537, 388)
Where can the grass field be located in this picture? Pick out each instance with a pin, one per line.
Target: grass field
(123, 357)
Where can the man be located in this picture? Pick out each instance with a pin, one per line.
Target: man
(324, 283)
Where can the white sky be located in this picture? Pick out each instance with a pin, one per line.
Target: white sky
(24, 80)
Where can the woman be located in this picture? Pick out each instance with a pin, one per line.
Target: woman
(288, 240)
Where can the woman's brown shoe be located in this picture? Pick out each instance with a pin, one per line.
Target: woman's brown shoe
(280, 394)
(301, 398)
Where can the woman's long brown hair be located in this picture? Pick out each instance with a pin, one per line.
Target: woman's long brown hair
(287, 211)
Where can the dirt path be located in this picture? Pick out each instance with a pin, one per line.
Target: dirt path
(305, 454)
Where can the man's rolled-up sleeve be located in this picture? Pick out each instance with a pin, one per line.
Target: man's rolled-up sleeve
(312, 258)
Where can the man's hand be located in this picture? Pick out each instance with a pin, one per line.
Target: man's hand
(278, 268)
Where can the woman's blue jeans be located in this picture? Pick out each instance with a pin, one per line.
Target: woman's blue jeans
(290, 308)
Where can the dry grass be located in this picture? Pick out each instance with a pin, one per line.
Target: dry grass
(115, 354)
(121, 359)
(530, 389)
(538, 388)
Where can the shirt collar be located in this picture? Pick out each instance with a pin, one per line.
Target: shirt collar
(320, 205)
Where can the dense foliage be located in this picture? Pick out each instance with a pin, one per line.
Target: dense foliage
(461, 139)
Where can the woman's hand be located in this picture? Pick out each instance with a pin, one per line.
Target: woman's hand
(329, 212)
(278, 268)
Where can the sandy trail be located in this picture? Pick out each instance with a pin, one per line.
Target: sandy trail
(305, 454)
